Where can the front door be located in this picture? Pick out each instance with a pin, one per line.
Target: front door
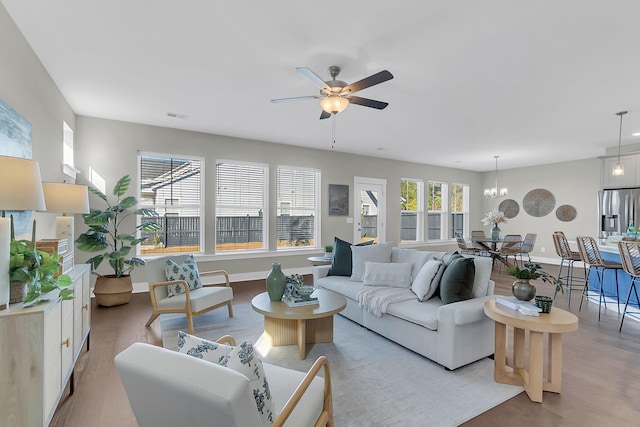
(369, 209)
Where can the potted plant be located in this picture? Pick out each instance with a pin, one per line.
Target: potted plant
(493, 218)
(105, 234)
(34, 273)
(524, 290)
(328, 251)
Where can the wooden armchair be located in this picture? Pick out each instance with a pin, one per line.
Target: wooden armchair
(168, 388)
(193, 302)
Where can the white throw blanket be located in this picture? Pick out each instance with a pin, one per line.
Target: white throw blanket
(376, 299)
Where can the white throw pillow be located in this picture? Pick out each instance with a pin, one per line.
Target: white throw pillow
(416, 257)
(397, 275)
(426, 282)
(187, 271)
(242, 359)
(371, 253)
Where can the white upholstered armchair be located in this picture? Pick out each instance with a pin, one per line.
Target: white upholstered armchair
(167, 388)
(192, 302)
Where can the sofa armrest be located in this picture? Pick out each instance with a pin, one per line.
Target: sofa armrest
(319, 272)
(463, 312)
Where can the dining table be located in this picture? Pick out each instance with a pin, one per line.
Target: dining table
(491, 246)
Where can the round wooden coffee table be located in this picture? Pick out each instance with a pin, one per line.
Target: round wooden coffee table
(299, 325)
(554, 324)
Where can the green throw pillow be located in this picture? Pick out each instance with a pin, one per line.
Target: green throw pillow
(456, 283)
(341, 263)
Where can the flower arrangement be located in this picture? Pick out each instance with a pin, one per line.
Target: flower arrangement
(295, 279)
(494, 217)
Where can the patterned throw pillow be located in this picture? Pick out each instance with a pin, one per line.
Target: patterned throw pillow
(187, 271)
(242, 359)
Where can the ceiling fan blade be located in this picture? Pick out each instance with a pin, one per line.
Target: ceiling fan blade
(313, 78)
(324, 115)
(372, 80)
(295, 98)
(367, 102)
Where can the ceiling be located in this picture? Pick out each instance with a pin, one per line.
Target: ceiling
(531, 81)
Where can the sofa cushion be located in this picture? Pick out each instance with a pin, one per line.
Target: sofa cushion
(187, 271)
(372, 253)
(397, 275)
(421, 313)
(415, 257)
(341, 262)
(483, 266)
(242, 359)
(456, 283)
(341, 285)
(426, 282)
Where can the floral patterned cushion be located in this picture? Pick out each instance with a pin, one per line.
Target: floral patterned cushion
(187, 271)
(242, 359)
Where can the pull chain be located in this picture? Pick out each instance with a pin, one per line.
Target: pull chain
(333, 130)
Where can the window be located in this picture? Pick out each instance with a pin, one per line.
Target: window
(241, 206)
(297, 199)
(411, 210)
(172, 187)
(436, 208)
(68, 162)
(459, 210)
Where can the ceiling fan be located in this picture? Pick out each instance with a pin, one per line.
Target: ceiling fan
(336, 95)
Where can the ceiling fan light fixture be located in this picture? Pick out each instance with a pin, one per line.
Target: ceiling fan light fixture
(334, 104)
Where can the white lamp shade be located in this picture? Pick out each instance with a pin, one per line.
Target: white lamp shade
(66, 198)
(20, 185)
(334, 104)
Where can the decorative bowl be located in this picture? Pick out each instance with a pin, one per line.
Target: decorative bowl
(305, 291)
(544, 302)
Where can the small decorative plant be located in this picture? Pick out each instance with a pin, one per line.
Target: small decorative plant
(104, 232)
(328, 248)
(533, 271)
(38, 269)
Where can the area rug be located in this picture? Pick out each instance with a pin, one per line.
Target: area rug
(375, 381)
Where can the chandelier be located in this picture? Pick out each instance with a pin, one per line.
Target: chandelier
(618, 170)
(495, 191)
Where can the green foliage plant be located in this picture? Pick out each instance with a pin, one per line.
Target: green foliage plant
(38, 269)
(532, 271)
(328, 248)
(105, 233)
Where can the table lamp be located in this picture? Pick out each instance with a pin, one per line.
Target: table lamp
(20, 190)
(66, 199)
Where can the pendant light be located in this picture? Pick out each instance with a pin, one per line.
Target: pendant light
(618, 170)
(495, 191)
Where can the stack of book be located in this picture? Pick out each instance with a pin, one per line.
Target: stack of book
(515, 304)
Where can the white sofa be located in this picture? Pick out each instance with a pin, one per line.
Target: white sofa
(452, 334)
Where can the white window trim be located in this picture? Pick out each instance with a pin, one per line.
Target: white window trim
(420, 211)
(444, 212)
(465, 208)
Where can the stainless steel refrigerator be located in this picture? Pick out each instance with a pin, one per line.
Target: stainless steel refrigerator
(616, 208)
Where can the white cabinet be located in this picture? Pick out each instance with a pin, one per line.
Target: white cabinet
(630, 177)
(38, 350)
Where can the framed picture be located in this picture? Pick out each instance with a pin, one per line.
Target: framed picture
(15, 141)
(338, 200)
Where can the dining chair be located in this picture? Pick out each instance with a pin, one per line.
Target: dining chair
(563, 250)
(630, 256)
(511, 246)
(527, 246)
(590, 255)
(464, 249)
(479, 234)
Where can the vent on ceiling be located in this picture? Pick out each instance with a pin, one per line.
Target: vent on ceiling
(178, 116)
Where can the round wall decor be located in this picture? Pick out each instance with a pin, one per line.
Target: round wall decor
(539, 202)
(510, 208)
(566, 213)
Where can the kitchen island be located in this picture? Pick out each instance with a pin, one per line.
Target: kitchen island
(610, 252)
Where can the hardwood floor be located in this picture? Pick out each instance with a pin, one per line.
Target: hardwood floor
(601, 375)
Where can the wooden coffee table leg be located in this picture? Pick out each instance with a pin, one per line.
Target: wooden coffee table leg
(555, 364)
(302, 338)
(500, 350)
(533, 386)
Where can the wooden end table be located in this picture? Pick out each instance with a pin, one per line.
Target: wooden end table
(299, 325)
(554, 324)
(319, 260)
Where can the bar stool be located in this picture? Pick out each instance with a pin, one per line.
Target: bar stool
(563, 250)
(630, 256)
(590, 254)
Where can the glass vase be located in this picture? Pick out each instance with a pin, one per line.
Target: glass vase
(495, 232)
